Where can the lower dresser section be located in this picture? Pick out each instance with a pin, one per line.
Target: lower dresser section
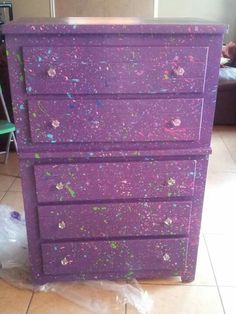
(121, 256)
(100, 218)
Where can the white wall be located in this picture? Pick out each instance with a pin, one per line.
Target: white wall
(223, 11)
(31, 8)
(142, 8)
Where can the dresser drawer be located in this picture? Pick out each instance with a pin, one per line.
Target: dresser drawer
(100, 120)
(114, 256)
(109, 70)
(114, 180)
(113, 220)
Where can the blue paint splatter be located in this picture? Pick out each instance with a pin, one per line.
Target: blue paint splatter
(49, 135)
(22, 107)
(69, 95)
(49, 51)
(40, 59)
(29, 89)
(75, 80)
(98, 103)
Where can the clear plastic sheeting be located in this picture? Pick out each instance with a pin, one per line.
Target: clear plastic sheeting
(99, 297)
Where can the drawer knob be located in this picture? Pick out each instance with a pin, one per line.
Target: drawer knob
(166, 257)
(168, 221)
(179, 71)
(52, 72)
(55, 124)
(171, 181)
(62, 224)
(64, 261)
(176, 122)
(59, 186)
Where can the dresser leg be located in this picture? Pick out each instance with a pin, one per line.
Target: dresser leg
(187, 277)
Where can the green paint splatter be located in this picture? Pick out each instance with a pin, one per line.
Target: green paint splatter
(114, 244)
(99, 209)
(48, 173)
(69, 189)
(7, 53)
(130, 274)
(37, 156)
(34, 114)
(21, 77)
(18, 58)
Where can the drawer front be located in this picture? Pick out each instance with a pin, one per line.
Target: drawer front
(92, 70)
(112, 220)
(110, 120)
(110, 180)
(120, 257)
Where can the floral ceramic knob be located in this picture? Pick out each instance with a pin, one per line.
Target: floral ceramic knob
(166, 257)
(64, 261)
(52, 72)
(171, 181)
(168, 221)
(62, 225)
(179, 71)
(176, 122)
(59, 186)
(55, 124)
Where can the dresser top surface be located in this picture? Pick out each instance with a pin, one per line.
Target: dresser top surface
(88, 25)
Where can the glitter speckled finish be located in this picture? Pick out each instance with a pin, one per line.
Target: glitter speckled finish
(114, 120)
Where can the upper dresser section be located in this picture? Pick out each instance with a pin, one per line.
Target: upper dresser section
(126, 82)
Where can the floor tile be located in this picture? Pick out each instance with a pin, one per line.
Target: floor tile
(220, 159)
(223, 256)
(14, 200)
(5, 182)
(13, 300)
(204, 273)
(219, 213)
(233, 155)
(183, 300)
(12, 166)
(16, 186)
(227, 133)
(228, 298)
(51, 303)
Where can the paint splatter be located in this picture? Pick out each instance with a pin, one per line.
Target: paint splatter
(18, 58)
(72, 192)
(98, 209)
(114, 245)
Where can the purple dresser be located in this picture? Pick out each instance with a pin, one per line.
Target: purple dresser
(114, 120)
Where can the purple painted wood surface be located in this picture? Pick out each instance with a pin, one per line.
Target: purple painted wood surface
(119, 180)
(116, 25)
(113, 220)
(112, 70)
(122, 256)
(194, 44)
(109, 120)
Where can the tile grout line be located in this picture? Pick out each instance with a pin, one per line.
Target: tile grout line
(177, 284)
(5, 192)
(217, 286)
(30, 301)
(226, 146)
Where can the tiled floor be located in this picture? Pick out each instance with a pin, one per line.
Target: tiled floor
(213, 291)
